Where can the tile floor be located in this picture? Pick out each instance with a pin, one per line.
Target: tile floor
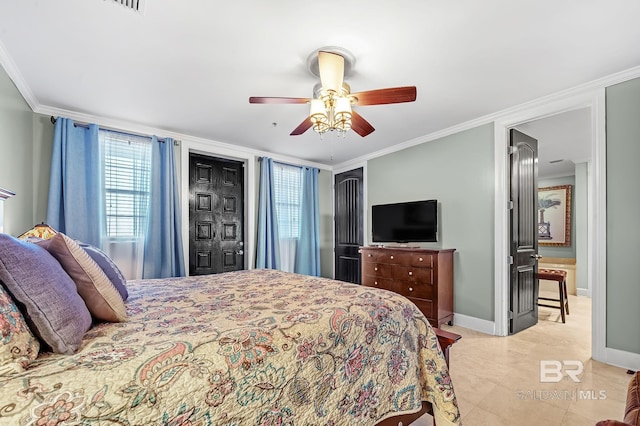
(497, 379)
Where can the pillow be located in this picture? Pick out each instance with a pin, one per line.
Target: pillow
(18, 346)
(95, 288)
(45, 293)
(110, 269)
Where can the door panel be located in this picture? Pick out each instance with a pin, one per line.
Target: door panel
(216, 215)
(349, 231)
(524, 232)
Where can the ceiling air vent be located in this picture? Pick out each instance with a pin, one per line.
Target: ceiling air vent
(135, 5)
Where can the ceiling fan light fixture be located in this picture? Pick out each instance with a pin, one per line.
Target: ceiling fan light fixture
(332, 100)
(331, 113)
(319, 116)
(342, 114)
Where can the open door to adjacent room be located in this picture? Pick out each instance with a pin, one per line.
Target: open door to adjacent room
(523, 310)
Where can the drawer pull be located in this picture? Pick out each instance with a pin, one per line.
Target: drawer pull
(376, 283)
(375, 269)
(391, 257)
(420, 260)
(410, 273)
(410, 288)
(369, 255)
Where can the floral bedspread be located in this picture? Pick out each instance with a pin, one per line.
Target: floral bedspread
(257, 347)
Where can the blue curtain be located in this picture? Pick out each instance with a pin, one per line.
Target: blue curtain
(268, 251)
(73, 206)
(163, 256)
(308, 251)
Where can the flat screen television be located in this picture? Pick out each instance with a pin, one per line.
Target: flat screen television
(415, 221)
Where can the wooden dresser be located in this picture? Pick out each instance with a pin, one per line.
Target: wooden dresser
(422, 275)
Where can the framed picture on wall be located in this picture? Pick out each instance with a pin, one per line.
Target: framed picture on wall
(554, 216)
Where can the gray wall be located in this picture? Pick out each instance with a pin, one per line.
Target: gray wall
(325, 185)
(25, 157)
(458, 171)
(623, 213)
(570, 251)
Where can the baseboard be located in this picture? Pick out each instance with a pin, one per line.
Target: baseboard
(624, 359)
(473, 323)
(584, 292)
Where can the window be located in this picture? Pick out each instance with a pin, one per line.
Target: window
(288, 193)
(127, 174)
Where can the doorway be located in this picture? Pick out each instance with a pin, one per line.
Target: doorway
(349, 225)
(216, 215)
(596, 246)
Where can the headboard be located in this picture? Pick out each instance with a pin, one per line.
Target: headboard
(4, 194)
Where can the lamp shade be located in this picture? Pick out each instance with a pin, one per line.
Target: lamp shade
(342, 114)
(319, 116)
(41, 231)
(343, 108)
(318, 112)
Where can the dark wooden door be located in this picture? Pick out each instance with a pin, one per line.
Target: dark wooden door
(524, 232)
(216, 215)
(348, 225)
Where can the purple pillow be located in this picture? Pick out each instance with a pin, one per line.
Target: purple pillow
(109, 268)
(49, 298)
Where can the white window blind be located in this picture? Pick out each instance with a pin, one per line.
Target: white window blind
(127, 174)
(288, 196)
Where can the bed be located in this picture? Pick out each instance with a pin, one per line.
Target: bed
(259, 347)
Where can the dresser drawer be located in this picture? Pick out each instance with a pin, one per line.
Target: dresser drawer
(411, 274)
(414, 289)
(374, 256)
(421, 260)
(377, 269)
(378, 282)
(386, 256)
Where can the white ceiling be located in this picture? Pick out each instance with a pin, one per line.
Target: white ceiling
(189, 67)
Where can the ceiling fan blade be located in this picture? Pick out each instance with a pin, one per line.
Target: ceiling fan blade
(360, 125)
(331, 67)
(392, 95)
(303, 127)
(277, 100)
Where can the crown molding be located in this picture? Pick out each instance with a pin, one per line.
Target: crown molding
(579, 90)
(14, 74)
(135, 128)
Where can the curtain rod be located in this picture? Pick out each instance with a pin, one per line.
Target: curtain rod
(86, 126)
(289, 164)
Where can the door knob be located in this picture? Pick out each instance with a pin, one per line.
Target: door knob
(240, 252)
(536, 256)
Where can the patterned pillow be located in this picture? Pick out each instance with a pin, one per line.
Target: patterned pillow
(44, 293)
(109, 268)
(18, 346)
(95, 288)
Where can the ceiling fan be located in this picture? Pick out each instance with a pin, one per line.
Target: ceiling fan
(332, 101)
